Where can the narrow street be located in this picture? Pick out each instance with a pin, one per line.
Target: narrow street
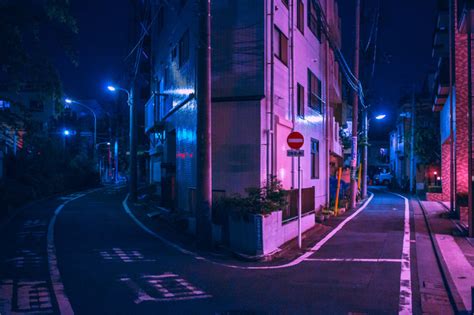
(99, 261)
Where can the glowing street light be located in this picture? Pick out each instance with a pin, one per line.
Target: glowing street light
(133, 140)
(380, 117)
(68, 101)
(66, 132)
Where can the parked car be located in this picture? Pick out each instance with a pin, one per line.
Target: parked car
(383, 178)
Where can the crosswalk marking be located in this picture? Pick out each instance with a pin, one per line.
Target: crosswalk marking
(123, 255)
(163, 288)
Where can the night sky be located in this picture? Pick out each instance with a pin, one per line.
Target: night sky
(103, 42)
(404, 52)
(404, 49)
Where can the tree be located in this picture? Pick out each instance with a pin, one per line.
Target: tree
(27, 30)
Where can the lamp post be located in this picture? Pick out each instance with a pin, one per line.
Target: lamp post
(133, 141)
(70, 101)
(411, 115)
(96, 148)
(365, 131)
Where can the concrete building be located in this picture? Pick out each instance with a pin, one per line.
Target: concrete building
(272, 72)
(400, 140)
(451, 100)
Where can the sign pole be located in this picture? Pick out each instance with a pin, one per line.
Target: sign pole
(295, 141)
(299, 202)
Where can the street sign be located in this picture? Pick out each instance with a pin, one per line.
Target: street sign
(295, 153)
(295, 140)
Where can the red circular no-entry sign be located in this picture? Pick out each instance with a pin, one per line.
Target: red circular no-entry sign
(295, 140)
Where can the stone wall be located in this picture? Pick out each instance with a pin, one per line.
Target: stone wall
(446, 170)
(461, 112)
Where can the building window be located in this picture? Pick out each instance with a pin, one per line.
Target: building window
(314, 92)
(4, 105)
(174, 54)
(285, 2)
(313, 20)
(300, 100)
(184, 49)
(36, 106)
(161, 19)
(300, 16)
(314, 159)
(281, 51)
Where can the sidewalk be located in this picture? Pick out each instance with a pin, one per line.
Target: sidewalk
(456, 254)
(174, 228)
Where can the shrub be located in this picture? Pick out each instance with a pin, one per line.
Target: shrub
(264, 200)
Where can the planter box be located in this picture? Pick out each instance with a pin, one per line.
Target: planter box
(259, 235)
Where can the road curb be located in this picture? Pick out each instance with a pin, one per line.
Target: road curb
(289, 264)
(454, 296)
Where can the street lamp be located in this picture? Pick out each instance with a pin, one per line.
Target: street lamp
(133, 141)
(100, 160)
(70, 101)
(66, 132)
(365, 130)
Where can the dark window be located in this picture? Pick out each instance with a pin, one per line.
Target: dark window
(314, 159)
(184, 49)
(281, 50)
(174, 53)
(313, 20)
(285, 2)
(314, 92)
(36, 106)
(300, 16)
(300, 100)
(182, 3)
(161, 19)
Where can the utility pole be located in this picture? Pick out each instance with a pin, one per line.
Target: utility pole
(412, 141)
(470, 117)
(133, 147)
(365, 151)
(355, 112)
(204, 145)
(452, 111)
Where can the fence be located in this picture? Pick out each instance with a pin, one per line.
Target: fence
(307, 203)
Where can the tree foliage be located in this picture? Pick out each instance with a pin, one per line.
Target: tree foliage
(30, 30)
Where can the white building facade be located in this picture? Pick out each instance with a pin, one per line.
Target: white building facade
(273, 72)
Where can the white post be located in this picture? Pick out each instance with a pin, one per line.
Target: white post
(299, 202)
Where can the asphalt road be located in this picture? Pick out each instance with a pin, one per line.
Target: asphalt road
(89, 257)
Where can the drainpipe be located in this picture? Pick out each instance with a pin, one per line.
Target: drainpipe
(292, 80)
(270, 120)
(328, 123)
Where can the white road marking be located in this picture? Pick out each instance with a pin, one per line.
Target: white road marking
(166, 287)
(124, 255)
(295, 262)
(58, 287)
(33, 296)
(367, 260)
(405, 304)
